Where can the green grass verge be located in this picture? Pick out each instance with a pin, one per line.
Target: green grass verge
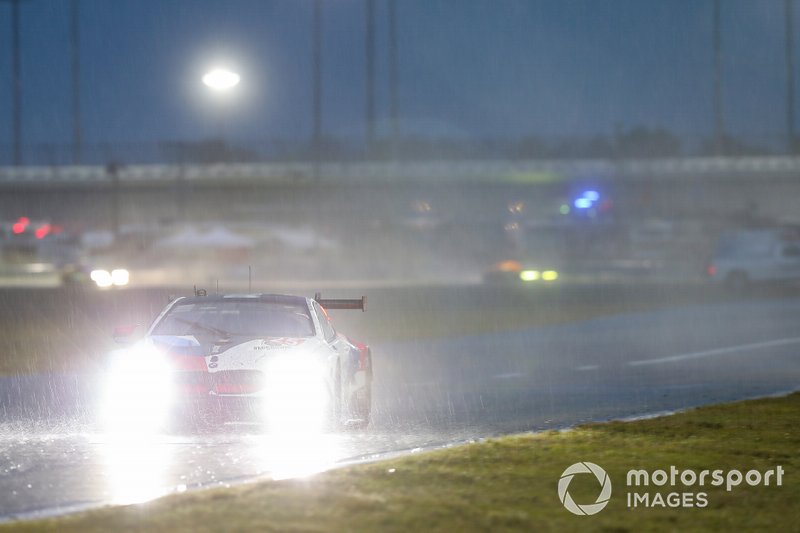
(508, 484)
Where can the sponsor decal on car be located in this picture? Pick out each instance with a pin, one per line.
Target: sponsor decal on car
(278, 342)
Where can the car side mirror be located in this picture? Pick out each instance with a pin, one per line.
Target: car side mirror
(125, 334)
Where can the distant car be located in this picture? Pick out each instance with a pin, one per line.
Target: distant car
(512, 271)
(757, 255)
(207, 360)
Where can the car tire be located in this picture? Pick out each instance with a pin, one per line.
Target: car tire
(362, 406)
(335, 404)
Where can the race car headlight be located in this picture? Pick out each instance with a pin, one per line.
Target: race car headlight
(295, 369)
(119, 277)
(297, 393)
(138, 389)
(535, 275)
(549, 275)
(102, 278)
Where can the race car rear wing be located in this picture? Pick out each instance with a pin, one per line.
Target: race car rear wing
(341, 303)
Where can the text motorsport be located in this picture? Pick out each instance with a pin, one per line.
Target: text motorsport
(689, 478)
(644, 487)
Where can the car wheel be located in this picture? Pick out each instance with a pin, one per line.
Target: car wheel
(362, 403)
(335, 402)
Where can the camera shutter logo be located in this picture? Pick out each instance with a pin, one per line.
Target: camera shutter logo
(584, 468)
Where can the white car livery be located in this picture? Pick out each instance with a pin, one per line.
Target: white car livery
(269, 357)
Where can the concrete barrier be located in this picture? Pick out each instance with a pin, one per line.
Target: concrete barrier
(521, 171)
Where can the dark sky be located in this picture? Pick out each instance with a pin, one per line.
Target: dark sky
(467, 67)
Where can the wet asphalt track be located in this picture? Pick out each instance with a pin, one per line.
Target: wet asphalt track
(427, 393)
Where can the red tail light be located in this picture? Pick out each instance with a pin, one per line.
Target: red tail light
(42, 231)
(712, 270)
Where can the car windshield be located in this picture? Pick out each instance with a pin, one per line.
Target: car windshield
(249, 319)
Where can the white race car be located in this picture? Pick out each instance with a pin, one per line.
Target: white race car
(263, 357)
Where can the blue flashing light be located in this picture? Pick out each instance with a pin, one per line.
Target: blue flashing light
(592, 196)
(583, 203)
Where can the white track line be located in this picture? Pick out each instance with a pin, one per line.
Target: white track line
(509, 375)
(716, 351)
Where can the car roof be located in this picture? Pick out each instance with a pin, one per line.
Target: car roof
(285, 299)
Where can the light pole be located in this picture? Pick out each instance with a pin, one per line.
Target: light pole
(316, 97)
(393, 81)
(221, 81)
(370, 73)
(16, 77)
(789, 57)
(719, 123)
(77, 133)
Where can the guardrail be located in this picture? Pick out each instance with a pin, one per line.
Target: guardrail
(521, 171)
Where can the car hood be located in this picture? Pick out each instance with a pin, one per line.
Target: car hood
(237, 353)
